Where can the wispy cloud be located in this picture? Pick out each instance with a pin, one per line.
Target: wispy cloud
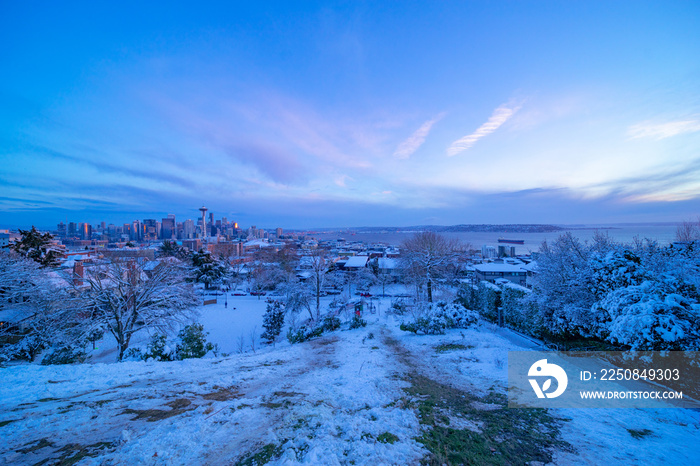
(410, 145)
(499, 116)
(660, 131)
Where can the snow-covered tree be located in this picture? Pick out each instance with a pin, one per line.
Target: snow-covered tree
(273, 321)
(36, 311)
(207, 269)
(126, 300)
(427, 257)
(319, 267)
(38, 247)
(650, 316)
(639, 295)
(297, 296)
(564, 290)
(172, 249)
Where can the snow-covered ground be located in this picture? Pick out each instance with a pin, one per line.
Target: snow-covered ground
(338, 399)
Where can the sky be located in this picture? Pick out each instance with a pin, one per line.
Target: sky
(332, 114)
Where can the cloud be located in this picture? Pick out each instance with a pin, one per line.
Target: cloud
(341, 180)
(499, 116)
(410, 145)
(660, 131)
(278, 164)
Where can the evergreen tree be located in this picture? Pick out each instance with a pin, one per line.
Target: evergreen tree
(207, 270)
(273, 321)
(38, 247)
(172, 249)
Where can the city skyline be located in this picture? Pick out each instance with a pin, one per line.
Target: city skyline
(321, 115)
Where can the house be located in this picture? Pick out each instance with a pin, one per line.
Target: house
(388, 266)
(356, 263)
(492, 271)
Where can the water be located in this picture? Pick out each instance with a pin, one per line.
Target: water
(662, 233)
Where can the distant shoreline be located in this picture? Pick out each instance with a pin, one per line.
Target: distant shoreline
(480, 228)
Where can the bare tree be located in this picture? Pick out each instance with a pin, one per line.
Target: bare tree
(126, 300)
(240, 344)
(428, 256)
(319, 267)
(253, 337)
(688, 231)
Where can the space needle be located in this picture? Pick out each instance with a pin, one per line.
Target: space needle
(203, 210)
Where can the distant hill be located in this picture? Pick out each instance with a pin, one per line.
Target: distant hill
(509, 228)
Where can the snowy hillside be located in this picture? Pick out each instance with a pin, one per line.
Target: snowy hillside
(373, 395)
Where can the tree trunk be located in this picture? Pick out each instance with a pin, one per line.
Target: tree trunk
(430, 291)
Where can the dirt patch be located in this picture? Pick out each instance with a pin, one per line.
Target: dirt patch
(222, 394)
(323, 342)
(179, 406)
(38, 445)
(288, 394)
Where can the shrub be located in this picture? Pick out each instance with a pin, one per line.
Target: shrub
(158, 349)
(194, 343)
(357, 322)
(273, 321)
(64, 354)
(303, 334)
(331, 323)
(488, 300)
(191, 342)
(398, 307)
(435, 319)
(519, 312)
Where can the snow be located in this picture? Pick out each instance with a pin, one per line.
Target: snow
(326, 400)
(320, 402)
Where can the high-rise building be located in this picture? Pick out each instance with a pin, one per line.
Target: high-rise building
(85, 231)
(168, 228)
(278, 232)
(150, 229)
(488, 252)
(188, 230)
(136, 233)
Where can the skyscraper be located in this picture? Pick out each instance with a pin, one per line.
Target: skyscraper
(168, 227)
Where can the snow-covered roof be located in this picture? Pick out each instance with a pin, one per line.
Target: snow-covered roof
(356, 262)
(494, 267)
(531, 267)
(387, 263)
(256, 243)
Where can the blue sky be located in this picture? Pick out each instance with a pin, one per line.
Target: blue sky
(303, 114)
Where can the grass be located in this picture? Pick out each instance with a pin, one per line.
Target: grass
(640, 434)
(74, 452)
(451, 347)
(263, 456)
(506, 436)
(42, 443)
(387, 437)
